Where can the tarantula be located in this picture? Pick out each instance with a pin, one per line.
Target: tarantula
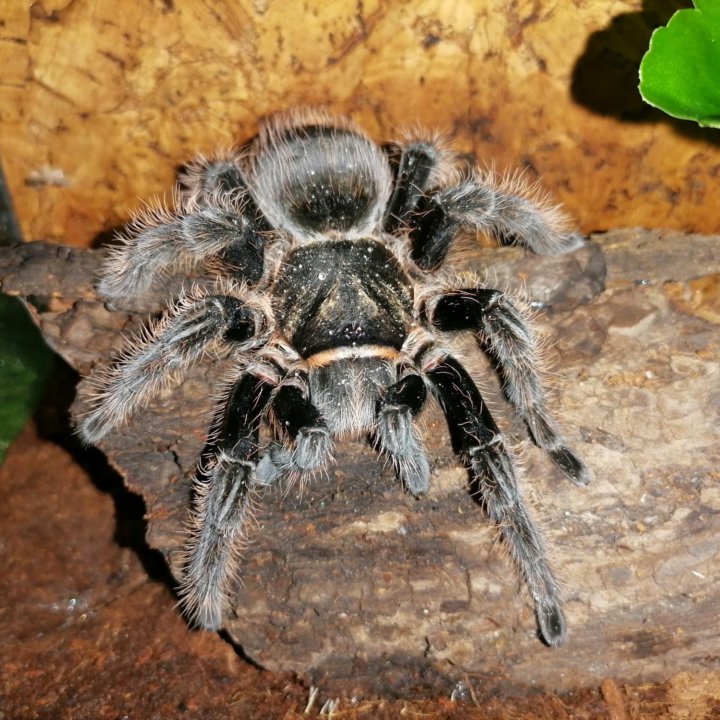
(326, 282)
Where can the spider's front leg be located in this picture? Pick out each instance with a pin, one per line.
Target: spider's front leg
(478, 440)
(164, 352)
(222, 504)
(504, 332)
(295, 418)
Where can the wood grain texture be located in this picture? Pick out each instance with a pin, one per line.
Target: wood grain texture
(360, 587)
(98, 106)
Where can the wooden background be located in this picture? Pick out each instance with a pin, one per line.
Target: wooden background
(100, 102)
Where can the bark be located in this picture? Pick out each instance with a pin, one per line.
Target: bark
(97, 107)
(360, 587)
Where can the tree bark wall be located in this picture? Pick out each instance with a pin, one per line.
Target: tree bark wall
(98, 107)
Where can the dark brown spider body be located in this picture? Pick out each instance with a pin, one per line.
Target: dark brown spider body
(328, 299)
(333, 303)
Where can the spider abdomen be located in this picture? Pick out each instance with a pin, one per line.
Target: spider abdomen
(343, 293)
(320, 179)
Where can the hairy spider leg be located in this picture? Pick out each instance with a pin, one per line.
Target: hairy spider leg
(395, 434)
(309, 445)
(479, 442)
(504, 333)
(222, 504)
(223, 226)
(202, 179)
(483, 204)
(413, 169)
(221, 183)
(163, 353)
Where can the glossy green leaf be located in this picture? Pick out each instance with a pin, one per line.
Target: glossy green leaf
(680, 73)
(25, 363)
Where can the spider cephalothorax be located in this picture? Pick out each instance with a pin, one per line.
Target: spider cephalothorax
(324, 262)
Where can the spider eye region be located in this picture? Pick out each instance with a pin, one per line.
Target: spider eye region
(353, 332)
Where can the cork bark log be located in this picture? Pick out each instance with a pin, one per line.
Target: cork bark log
(358, 586)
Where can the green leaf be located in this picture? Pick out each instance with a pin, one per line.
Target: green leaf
(680, 73)
(25, 363)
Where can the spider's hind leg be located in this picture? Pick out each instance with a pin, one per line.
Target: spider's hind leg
(483, 203)
(203, 178)
(414, 165)
(504, 332)
(478, 440)
(216, 219)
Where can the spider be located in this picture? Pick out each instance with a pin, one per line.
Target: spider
(327, 261)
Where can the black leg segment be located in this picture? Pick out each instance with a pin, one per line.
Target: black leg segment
(433, 230)
(505, 334)
(304, 443)
(294, 411)
(478, 440)
(239, 428)
(469, 419)
(414, 168)
(221, 504)
(409, 392)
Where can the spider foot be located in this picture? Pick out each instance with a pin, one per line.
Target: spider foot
(213, 549)
(95, 425)
(395, 429)
(551, 621)
(415, 474)
(273, 465)
(397, 438)
(313, 448)
(571, 465)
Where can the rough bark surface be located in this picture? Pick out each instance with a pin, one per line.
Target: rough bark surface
(361, 587)
(98, 107)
